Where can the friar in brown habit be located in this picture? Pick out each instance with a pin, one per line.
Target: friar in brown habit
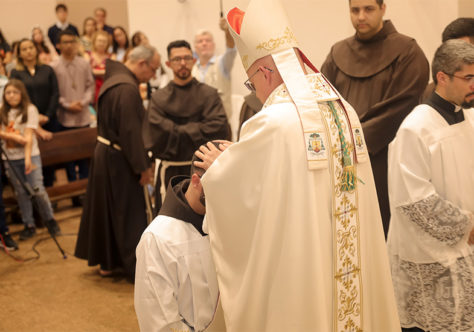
(181, 117)
(114, 215)
(382, 74)
(251, 106)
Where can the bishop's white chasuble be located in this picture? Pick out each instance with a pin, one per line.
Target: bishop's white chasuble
(294, 222)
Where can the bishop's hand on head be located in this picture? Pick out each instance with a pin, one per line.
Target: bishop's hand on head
(209, 152)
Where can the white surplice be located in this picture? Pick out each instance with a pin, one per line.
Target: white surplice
(271, 225)
(175, 283)
(431, 190)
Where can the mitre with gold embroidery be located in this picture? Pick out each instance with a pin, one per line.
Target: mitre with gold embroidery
(262, 30)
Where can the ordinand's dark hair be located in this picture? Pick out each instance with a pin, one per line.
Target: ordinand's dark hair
(115, 45)
(178, 44)
(198, 170)
(65, 33)
(451, 56)
(61, 6)
(460, 27)
(24, 102)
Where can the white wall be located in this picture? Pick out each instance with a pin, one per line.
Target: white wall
(117, 13)
(17, 17)
(318, 24)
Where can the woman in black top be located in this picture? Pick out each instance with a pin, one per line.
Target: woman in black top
(41, 83)
(42, 86)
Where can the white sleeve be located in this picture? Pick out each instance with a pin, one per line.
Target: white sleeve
(156, 287)
(412, 193)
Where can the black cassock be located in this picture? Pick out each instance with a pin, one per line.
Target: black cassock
(114, 214)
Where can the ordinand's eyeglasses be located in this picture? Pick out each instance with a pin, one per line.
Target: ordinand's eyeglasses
(249, 84)
(469, 78)
(178, 59)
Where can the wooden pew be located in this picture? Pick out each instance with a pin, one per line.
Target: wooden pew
(68, 146)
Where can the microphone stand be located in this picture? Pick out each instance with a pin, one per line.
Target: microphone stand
(33, 194)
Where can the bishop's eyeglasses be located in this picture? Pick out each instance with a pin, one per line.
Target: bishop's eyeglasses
(249, 85)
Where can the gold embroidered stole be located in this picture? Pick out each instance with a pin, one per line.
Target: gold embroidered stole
(324, 145)
(346, 232)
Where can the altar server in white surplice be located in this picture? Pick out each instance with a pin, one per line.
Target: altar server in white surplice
(292, 211)
(431, 190)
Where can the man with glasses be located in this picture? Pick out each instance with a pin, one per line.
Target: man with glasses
(295, 235)
(114, 211)
(76, 92)
(431, 190)
(181, 117)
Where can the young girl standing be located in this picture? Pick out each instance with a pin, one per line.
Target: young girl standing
(19, 119)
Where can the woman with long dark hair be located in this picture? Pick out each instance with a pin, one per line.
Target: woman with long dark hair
(120, 44)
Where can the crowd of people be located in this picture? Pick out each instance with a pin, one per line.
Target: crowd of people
(59, 75)
(345, 205)
(62, 72)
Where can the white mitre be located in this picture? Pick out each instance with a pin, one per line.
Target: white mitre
(262, 30)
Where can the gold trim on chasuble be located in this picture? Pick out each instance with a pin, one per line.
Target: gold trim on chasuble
(346, 231)
(346, 236)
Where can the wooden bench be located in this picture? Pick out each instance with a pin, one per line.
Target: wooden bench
(64, 147)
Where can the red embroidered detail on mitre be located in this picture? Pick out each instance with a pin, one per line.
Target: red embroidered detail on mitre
(235, 18)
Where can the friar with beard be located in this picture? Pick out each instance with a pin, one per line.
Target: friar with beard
(181, 117)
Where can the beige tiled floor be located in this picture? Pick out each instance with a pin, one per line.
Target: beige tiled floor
(56, 294)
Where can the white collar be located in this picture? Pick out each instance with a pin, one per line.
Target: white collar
(62, 26)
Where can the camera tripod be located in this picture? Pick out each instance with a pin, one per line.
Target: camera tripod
(36, 199)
